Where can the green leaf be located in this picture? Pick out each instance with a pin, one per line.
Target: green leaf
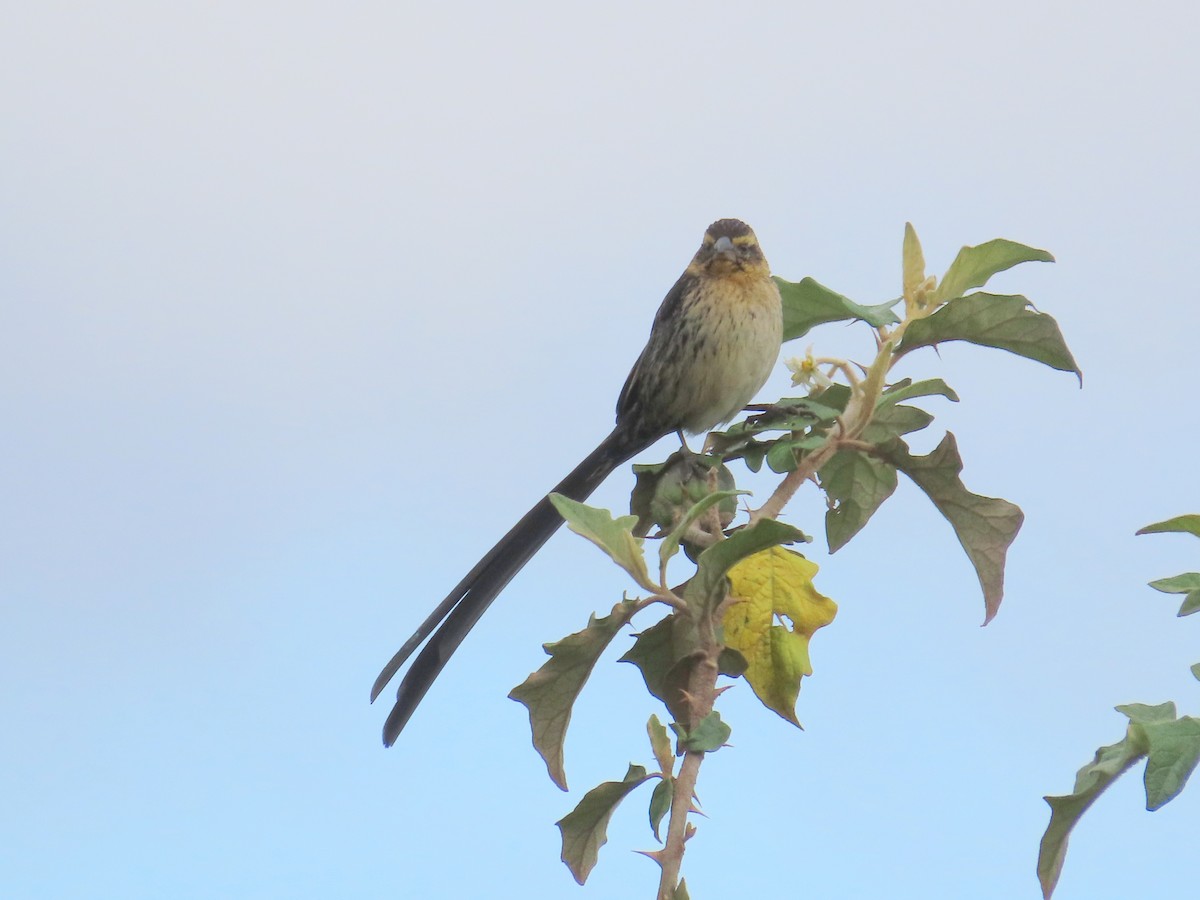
(660, 803)
(1178, 584)
(707, 586)
(641, 498)
(709, 735)
(613, 536)
(781, 456)
(670, 544)
(1196, 671)
(975, 265)
(789, 414)
(664, 653)
(752, 454)
(584, 829)
(985, 526)
(652, 653)
(835, 397)
(906, 390)
(807, 303)
(856, 485)
(681, 891)
(732, 662)
(893, 421)
(660, 743)
(665, 492)
(1144, 714)
(994, 320)
(1174, 753)
(1188, 583)
(1091, 781)
(1189, 524)
(913, 260)
(550, 692)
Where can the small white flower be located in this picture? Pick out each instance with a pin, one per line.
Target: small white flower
(806, 374)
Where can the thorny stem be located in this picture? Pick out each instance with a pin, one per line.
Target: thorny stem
(702, 681)
(681, 802)
(701, 694)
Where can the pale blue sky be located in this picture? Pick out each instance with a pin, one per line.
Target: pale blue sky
(302, 305)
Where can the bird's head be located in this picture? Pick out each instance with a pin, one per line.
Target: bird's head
(729, 246)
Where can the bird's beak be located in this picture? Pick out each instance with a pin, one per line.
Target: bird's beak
(724, 247)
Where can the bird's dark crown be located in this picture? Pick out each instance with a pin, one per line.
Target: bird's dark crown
(730, 228)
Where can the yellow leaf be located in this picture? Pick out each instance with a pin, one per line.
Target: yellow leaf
(775, 583)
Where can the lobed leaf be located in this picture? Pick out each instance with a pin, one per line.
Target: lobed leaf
(584, 829)
(1006, 322)
(985, 526)
(776, 583)
(808, 303)
(1091, 781)
(707, 585)
(550, 692)
(1172, 750)
(975, 265)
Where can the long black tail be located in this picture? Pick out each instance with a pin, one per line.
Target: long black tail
(458, 613)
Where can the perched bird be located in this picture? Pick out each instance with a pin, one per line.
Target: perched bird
(714, 341)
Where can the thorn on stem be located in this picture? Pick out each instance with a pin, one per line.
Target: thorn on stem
(655, 855)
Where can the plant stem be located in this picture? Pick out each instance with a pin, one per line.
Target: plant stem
(857, 416)
(702, 693)
(681, 804)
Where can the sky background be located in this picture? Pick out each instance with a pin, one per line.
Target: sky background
(302, 305)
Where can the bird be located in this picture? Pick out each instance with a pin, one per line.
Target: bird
(712, 346)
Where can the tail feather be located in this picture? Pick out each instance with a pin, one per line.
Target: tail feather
(456, 615)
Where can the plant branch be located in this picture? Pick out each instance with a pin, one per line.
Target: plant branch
(702, 693)
(856, 417)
